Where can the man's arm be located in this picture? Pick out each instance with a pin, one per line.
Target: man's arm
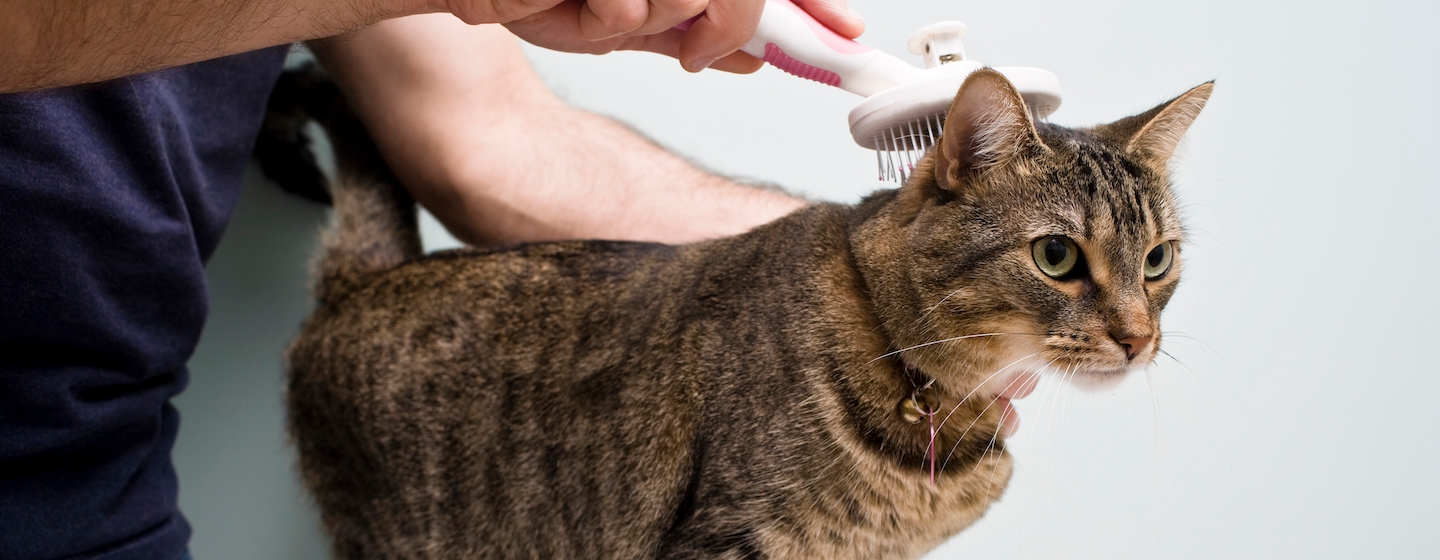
(479, 140)
(49, 43)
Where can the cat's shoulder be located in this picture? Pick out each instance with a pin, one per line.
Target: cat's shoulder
(553, 250)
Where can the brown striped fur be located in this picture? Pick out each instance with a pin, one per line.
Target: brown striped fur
(724, 400)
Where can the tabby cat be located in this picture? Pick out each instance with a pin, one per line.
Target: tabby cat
(768, 395)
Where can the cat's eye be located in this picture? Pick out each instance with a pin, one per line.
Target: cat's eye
(1055, 255)
(1157, 262)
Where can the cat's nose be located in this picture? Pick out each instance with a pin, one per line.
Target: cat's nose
(1133, 343)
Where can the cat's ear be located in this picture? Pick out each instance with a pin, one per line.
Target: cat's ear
(1152, 136)
(987, 126)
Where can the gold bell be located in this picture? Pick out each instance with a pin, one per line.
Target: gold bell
(910, 410)
(919, 404)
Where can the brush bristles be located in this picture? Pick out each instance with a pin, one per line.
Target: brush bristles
(899, 148)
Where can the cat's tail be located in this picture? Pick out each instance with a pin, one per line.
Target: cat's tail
(374, 227)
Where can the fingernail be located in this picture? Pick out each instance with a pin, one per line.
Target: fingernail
(703, 63)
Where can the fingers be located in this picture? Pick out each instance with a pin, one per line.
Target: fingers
(559, 29)
(666, 14)
(835, 14)
(668, 44)
(1021, 386)
(1018, 388)
(602, 19)
(1009, 419)
(476, 12)
(738, 62)
(726, 26)
(712, 40)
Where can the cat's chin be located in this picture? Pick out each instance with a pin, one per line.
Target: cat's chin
(1098, 380)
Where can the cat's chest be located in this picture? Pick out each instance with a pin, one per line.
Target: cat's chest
(864, 506)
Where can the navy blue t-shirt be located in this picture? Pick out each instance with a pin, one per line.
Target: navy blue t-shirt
(112, 196)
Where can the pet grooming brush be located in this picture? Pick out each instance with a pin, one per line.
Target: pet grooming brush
(904, 107)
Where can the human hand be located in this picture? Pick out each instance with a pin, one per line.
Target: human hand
(432, 105)
(602, 26)
(1018, 387)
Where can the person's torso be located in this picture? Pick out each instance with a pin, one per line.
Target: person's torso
(112, 196)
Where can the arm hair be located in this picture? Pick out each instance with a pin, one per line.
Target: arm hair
(480, 141)
(50, 43)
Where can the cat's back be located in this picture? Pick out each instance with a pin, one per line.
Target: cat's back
(571, 294)
(439, 397)
(563, 400)
(546, 395)
(524, 290)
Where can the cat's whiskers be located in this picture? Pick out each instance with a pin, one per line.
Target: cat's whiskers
(989, 482)
(1159, 432)
(942, 341)
(1058, 405)
(1204, 346)
(993, 438)
(967, 396)
(1064, 398)
(1192, 375)
(961, 439)
(982, 411)
(1056, 402)
(1187, 336)
(966, 363)
(938, 304)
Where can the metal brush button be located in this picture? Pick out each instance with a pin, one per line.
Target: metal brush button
(940, 43)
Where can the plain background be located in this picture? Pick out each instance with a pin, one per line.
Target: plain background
(1298, 419)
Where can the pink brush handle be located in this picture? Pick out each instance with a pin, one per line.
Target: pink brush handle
(792, 40)
(835, 41)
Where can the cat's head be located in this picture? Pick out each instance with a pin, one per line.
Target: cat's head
(1051, 249)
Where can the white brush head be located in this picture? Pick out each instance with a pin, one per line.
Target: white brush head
(901, 122)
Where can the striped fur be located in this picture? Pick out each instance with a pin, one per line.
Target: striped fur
(729, 399)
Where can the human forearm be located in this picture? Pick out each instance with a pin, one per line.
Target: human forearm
(52, 43)
(589, 177)
(480, 141)
(64, 42)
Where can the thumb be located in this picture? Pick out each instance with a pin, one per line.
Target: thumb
(835, 14)
(668, 43)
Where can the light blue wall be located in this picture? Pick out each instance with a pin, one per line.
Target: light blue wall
(237, 484)
(1302, 423)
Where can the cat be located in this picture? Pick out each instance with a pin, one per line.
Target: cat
(767, 395)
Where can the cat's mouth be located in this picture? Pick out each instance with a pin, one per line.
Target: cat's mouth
(1020, 380)
(1089, 364)
(1071, 359)
(1096, 372)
